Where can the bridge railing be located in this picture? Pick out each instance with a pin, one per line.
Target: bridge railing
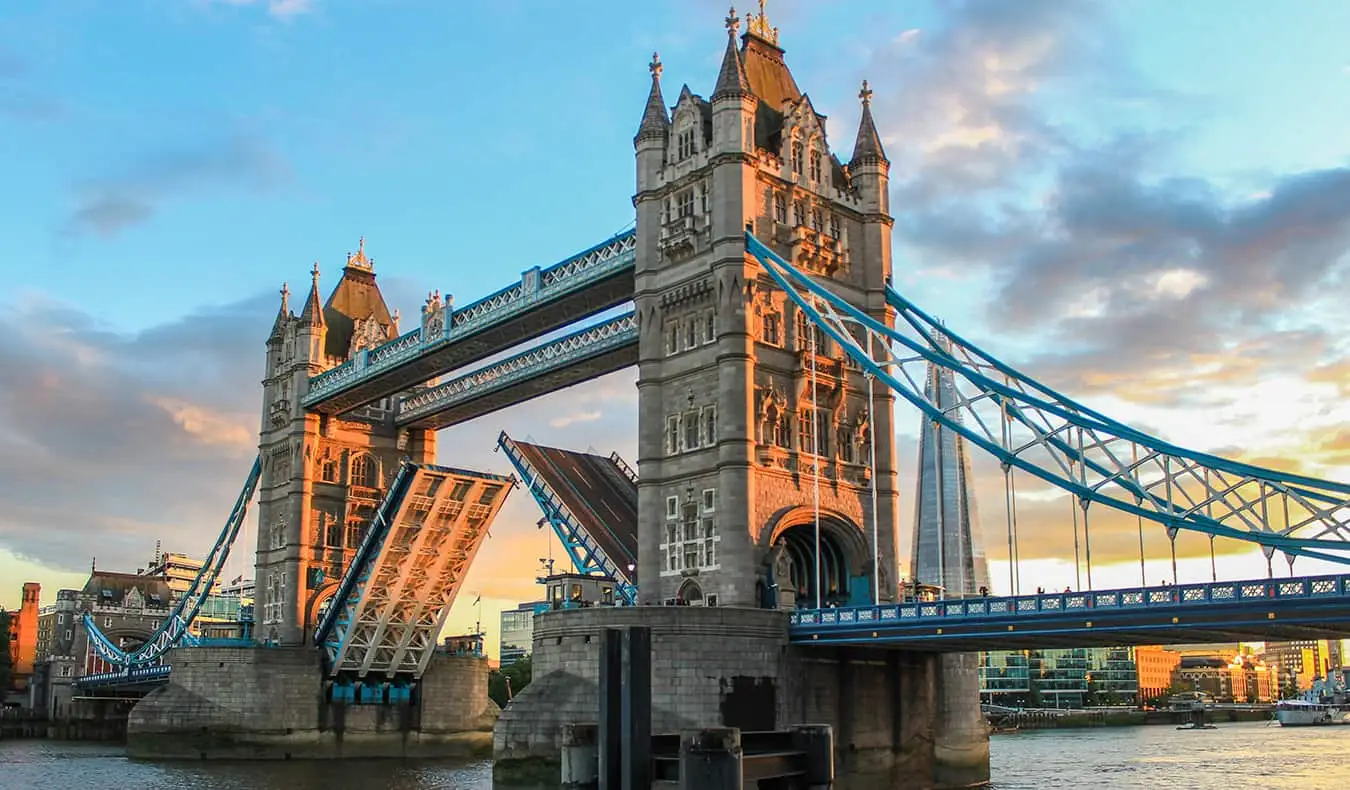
(536, 287)
(994, 607)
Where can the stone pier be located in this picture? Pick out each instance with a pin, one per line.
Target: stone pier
(901, 719)
(269, 703)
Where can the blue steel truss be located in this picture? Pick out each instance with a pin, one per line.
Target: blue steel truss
(132, 676)
(537, 287)
(176, 627)
(395, 596)
(584, 344)
(1249, 609)
(582, 549)
(1029, 426)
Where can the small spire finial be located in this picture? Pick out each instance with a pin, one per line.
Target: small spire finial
(285, 293)
(865, 94)
(314, 272)
(759, 25)
(655, 66)
(733, 22)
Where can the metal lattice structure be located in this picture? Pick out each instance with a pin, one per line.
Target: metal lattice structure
(574, 284)
(397, 593)
(610, 345)
(1315, 607)
(583, 549)
(1029, 426)
(175, 630)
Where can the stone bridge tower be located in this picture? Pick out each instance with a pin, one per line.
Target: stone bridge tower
(322, 476)
(738, 439)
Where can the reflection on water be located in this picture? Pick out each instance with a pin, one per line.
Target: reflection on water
(1125, 758)
(1160, 757)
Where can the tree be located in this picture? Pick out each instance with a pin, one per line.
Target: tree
(6, 668)
(516, 674)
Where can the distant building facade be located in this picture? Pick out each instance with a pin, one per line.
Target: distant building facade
(1062, 678)
(517, 632)
(23, 630)
(1155, 666)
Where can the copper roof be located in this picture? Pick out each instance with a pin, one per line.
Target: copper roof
(355, 297)
(601, 497)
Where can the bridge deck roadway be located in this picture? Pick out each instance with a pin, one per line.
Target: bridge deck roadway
(1258, 610)
(479, 331)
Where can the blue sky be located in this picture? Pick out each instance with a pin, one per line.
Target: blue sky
(168, 163)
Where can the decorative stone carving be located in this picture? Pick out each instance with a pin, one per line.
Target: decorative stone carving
(367, 333)
(434, 318)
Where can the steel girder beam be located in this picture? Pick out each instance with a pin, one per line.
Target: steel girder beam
(404, 590)
(1027, 425)
(544, 301)
(581, 356)
(174, 630)
(1253, 610)
(582, 549)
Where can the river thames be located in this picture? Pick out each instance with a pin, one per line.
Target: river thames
(1137, 758)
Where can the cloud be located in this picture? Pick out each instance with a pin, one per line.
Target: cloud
(18, 99)
(279, 9)
(111, 441)
(108, 207)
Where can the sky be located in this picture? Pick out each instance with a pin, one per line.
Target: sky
(1143, 203)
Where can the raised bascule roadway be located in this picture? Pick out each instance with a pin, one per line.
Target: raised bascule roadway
(771, 349)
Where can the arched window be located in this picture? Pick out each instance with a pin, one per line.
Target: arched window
(815, 165)
(363, 472)
(690, 593)
(797, 157)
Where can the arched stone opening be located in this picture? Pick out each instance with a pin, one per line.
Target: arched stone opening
(845, 561)
(690, 594)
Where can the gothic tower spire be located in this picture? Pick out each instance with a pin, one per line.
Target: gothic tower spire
(731, 80)
(867, 148)
(655, 122)
(312, 312)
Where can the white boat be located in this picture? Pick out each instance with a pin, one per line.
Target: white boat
(1298, 713)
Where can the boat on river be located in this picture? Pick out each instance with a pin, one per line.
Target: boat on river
(1301, 713)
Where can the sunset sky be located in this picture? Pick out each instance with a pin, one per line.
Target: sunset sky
(1144, 203)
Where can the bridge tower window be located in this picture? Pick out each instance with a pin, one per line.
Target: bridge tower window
(684, 144)
(815, 165)
(780, 209)
(672, 435)
(703, 196)
(672, 338)
(708, 426)
(771, 332)
(690, 334)
(797, 150)
(363, 473)
(685, 204)
(709, 327)
(690, 424)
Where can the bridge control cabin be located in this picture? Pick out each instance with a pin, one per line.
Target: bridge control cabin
(579, 591)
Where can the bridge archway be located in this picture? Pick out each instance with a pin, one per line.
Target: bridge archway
(319, 601)
(690, 594)
(844, 556)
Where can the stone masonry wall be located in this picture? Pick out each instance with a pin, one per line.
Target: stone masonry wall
(268, 703)
(710, 667)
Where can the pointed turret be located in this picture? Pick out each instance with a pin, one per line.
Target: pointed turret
(283, 316)
(655, 122)
(311, 314)
(731, 80)
(867, 149)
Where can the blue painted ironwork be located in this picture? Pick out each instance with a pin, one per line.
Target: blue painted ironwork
(176, 627)
(585, 553)
(1029, 426)
(396, 595)
(584, 344)
(1261, 603)
(151, 673)
(536, 289)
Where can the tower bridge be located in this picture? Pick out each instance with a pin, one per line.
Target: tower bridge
(771, 350)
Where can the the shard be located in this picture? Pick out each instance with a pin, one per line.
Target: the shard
(948, 544)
